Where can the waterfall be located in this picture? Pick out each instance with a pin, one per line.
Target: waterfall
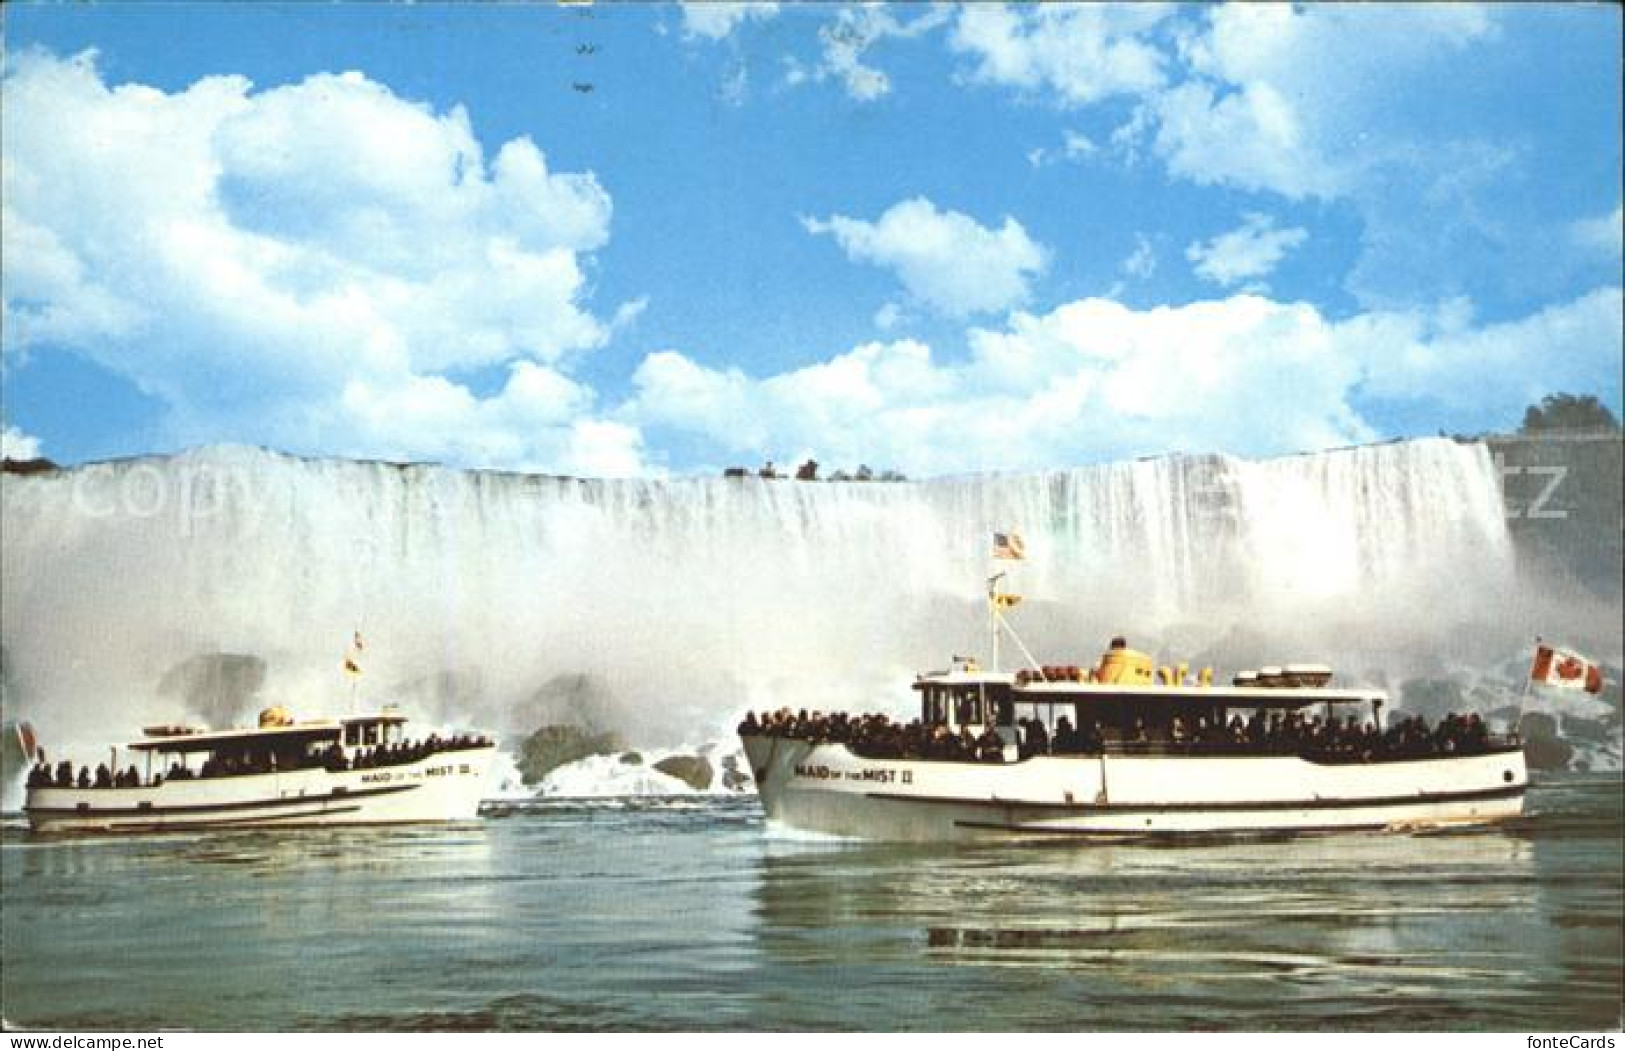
(220, 580)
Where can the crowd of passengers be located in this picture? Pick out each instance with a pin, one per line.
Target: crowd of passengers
(1282, 733)
(231, 764)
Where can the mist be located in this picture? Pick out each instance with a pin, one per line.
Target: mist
(211, 584)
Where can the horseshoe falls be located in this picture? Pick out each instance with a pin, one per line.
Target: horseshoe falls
(211, 583)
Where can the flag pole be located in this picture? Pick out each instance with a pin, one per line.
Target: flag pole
(1528, 683)
(993, 615)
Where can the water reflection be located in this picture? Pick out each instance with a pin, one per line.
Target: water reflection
(649, 916)
(1210, 932)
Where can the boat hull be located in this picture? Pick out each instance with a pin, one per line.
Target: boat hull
(826, 788)
(446, 786)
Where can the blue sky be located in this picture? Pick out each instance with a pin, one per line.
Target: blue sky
(661, 239)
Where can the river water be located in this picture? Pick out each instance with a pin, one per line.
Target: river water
(690, 914)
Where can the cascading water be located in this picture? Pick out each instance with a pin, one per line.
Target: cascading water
(686, 601)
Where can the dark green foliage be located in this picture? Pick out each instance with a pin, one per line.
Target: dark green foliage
(1568, 412)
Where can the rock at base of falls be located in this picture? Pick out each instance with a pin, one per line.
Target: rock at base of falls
(693, 770)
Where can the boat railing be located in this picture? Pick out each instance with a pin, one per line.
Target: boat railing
(333, 761)
(1317, 751)
(1313, 751)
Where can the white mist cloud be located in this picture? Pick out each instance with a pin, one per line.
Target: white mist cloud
(307, 265)
(944, 258)
(1246, 253)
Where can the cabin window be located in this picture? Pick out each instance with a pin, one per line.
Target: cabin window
(931, 708)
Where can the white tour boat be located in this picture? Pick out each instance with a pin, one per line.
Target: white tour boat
(359, 770)
(1126, 749)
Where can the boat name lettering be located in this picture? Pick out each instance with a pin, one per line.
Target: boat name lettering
(386, 776)
(878, 775)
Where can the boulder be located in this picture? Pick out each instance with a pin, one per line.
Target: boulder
(733, 778)
(553, 746)
(694, 771)
(1542, 748)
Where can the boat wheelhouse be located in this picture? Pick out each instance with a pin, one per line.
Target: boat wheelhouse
(359, 770)
(1123, 749)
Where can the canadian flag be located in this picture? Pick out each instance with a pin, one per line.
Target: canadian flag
(1556, 667)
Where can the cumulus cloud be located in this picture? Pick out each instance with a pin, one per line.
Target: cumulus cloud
(714, 20)
(1284, 98)
(1246, 253)
(1307, 101)
(1094, 379)
(1082, 52)
(16, 445)
(1462, 372)
(296, 264)
(944, 258)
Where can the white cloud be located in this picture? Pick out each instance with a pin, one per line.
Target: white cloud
(1094, 379)
(846, 41)
(1463, 373)
(1142, 262)
(1083, 52)
(1253, 137)
(1298, 100)
(1075, 146)
(715, 20)
(16, 445)
(1246, 253)
(1079, 145)
(719, 404)
(1602, 235)
(889, 316)
(539, 420)
(944, 258)
(292, 265)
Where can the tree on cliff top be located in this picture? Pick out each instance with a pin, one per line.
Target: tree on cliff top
(1568, 412)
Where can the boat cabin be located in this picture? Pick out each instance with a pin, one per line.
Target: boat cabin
(279, 743)
(1123, 702)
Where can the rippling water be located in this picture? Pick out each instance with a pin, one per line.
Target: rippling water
(642, 915)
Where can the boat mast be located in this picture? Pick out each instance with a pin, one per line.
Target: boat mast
(993, 615)
(997, 625)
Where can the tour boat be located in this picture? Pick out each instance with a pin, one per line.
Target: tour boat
(359, 770)
(1152, 751)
